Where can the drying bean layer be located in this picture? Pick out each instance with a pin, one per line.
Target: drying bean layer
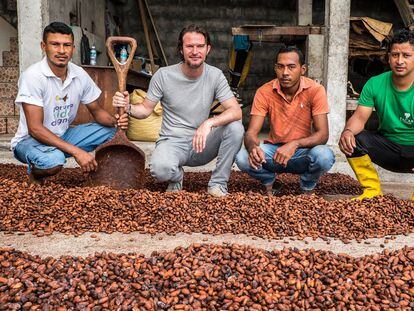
(62, 206)
(197, 182)
(209, 277)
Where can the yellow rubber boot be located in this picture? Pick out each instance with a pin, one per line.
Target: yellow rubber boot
(367, 176)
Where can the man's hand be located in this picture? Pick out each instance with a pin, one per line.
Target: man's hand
(256, 157)
(121, 100)
(285, 153)
(86, 161)
(122, 121)
(200, 136)
(347, 142)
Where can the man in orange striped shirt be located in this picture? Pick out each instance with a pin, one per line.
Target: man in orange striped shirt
(297, 108)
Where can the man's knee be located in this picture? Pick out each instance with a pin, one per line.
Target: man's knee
(235, 131)
(362, 137)
(242, 160)
(362, 140)
(107, 132)
(30, 151)
(101, 134)
(323, 157)
(163, 170)
(46, 160)
(89, 136)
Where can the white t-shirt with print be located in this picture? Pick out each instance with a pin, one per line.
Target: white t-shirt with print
(39, 86)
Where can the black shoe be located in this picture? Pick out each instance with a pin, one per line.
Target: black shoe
(38, 175)
(307, 192)
(276, 188)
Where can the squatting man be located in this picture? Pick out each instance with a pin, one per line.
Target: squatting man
(188, 137)
(49, 95)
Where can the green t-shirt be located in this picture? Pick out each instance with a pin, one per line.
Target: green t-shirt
(395, 108)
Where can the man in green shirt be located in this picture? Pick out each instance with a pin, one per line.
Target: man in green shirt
(392, 96)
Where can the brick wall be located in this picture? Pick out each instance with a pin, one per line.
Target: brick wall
(218, 17)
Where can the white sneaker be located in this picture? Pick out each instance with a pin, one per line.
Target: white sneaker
(217, 191)
(176, 186)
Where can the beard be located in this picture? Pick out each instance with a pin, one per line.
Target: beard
(60, 65)
(193, 65)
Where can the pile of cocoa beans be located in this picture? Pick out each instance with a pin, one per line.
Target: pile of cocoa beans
(197, 181)
(75, 210)
(209, 277)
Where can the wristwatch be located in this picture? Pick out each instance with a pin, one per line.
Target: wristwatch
(128, 111)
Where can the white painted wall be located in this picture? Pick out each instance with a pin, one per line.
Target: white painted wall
(32, 17)
(337, 14)
(6, 32)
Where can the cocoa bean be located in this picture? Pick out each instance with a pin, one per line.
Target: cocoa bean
(241, 278)
(68, 206)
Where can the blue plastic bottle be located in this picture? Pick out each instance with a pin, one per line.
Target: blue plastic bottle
(93, 56)
(124, 56)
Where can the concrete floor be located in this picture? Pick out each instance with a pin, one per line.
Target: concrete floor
(59, 244)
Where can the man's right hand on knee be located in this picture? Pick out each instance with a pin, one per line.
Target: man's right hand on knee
(256, 157)
(347, 142)
(85, 160)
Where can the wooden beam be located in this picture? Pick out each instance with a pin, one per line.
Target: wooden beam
(406, 12)
(270, 30)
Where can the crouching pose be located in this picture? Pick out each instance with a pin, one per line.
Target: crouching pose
(392, 95)
(297, 108)
(49, 95)
(188, 136)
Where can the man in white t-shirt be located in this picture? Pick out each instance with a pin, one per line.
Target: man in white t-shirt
(48, 98)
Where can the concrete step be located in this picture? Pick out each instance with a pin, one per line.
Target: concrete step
(9, 74)
(14, 44)
(8, 90)
(10, 59)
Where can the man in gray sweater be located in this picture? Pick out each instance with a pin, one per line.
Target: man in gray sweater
(188, 136)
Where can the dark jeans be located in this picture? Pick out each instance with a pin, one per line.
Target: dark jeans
(385, 153)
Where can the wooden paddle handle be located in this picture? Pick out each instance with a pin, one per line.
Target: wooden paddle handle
(121, 69)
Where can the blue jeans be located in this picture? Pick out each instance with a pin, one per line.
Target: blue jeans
(309, 163)
(85, 136)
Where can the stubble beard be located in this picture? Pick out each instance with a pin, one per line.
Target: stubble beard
(194, 66)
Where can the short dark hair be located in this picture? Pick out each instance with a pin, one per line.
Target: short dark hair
(57, 27)
(291, 48)
(402, 36)
(191, 28)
